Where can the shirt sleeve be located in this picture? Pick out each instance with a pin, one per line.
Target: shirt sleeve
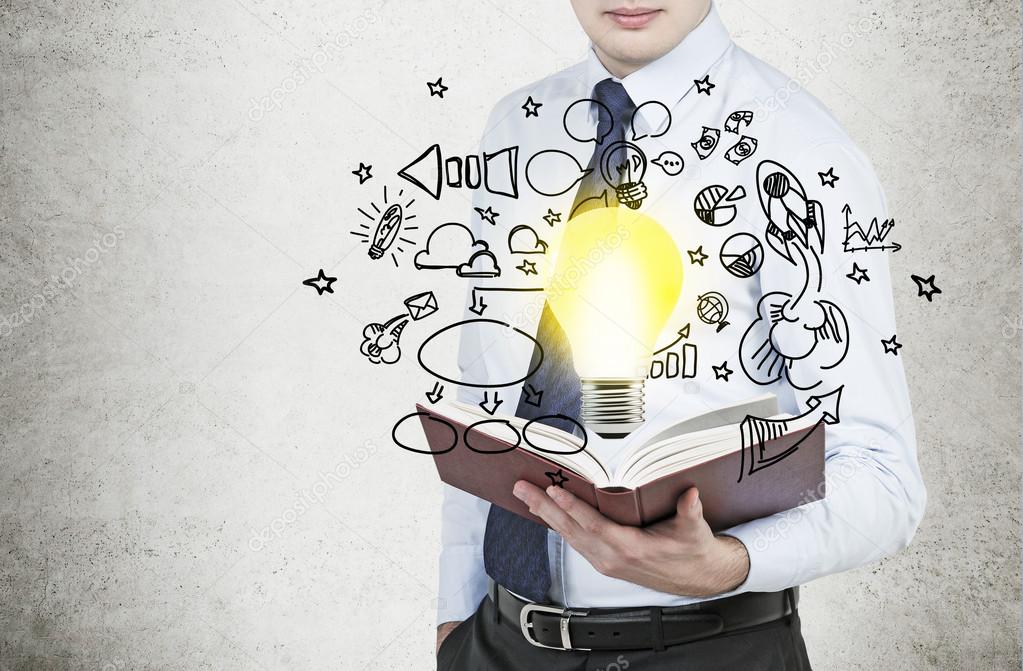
(463, 579)
(875, 495)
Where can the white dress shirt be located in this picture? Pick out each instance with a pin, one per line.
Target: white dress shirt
(875, 496)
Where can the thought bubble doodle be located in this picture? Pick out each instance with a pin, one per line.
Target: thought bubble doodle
(658, 115)
(553, 172)
(577, 121)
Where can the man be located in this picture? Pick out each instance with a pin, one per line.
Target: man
(676, 594)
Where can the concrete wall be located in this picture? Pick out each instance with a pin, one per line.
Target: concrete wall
(185, 482)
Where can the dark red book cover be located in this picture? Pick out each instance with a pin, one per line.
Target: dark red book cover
(747, 484)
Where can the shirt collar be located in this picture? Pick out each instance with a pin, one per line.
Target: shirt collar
(673, 75)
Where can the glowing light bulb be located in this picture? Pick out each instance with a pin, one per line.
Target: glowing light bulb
(623, 166)
(616, 280)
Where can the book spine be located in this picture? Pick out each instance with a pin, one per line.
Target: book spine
(621, 505)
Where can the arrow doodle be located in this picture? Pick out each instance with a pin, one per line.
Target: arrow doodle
(758, 431)
(532, 395)
(490, 407)
(437, 393)
(682, 333)
(478, 306)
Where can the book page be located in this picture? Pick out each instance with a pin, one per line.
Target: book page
(765, 405)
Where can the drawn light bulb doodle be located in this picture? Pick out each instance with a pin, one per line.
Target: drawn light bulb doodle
(623, 166)
(388, 227)
(789, 328)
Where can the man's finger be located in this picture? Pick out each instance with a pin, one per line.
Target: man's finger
(588, 517)
(545, 508)
(689, 507)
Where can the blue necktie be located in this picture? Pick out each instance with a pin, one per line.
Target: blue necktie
(514, 548)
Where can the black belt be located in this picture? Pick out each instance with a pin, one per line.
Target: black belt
(647, 628)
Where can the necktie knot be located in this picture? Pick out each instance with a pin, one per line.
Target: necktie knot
(616, 110)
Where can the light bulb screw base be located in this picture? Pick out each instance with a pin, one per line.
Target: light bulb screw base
(612, 407)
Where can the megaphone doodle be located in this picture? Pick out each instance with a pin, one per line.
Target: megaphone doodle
(497, 172)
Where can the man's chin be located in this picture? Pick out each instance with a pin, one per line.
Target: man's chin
(634, 48)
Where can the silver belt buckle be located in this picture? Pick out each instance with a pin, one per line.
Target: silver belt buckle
(563, 613)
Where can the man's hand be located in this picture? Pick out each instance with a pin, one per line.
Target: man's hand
(443, 630)
(680, 555)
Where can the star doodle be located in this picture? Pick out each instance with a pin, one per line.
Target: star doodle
(925, 287)
(696, 256)
(558, 478)
(722, 372)
(527, 267)
(891, 346)
(531, 107)
(858, 274)
(704, 85)
(552, 217)
(437, 88)
(487, 215)
(363, 172)
(828, 178)
(321, 283)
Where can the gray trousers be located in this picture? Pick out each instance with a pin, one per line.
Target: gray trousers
(482, 644)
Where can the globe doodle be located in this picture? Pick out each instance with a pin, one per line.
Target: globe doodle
(712, 308)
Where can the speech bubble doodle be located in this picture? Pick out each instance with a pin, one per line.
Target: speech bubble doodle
(577, 121)
(552, 172)
(657, 113)
(670, 162)
(438, 346)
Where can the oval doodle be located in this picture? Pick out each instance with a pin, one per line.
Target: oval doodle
(505, 330)
(454, 434)
(468, 432)
(525, 434)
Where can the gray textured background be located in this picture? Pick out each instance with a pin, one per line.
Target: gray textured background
(195, 470)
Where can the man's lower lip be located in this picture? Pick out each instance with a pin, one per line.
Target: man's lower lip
(633, 20)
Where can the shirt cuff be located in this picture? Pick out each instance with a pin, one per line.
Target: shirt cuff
(774, 560)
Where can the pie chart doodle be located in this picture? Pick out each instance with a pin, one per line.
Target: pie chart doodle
(715, 206)
(742, 255)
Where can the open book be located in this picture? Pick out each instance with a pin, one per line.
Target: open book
(747, 460)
